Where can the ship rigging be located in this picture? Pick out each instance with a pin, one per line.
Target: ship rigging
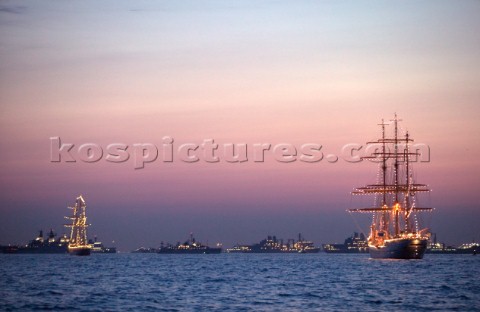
(78, 244)
(395, 232)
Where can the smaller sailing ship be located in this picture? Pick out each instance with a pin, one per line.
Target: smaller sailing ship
(395, 232)
(78, 244)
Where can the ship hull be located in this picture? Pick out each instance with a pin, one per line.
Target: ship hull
(190, 251)
(407, 248)
(310, 250)
(79, 251)
(277, 251)
(43, 250)
(105, 250)
(347, 251)
(469, 251)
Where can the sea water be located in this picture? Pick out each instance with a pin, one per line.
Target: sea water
(238, 282)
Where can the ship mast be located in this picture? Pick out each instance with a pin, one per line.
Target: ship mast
(384, 165)
(78, 234)
(394, 192)
(384, 225)
(407, 183)
(395, 173)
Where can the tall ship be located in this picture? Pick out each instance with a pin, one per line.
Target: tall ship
(190, 246)
(78, 243)
(395, 231)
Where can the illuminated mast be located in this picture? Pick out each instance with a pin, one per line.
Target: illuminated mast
(388, 239)
(78, 244)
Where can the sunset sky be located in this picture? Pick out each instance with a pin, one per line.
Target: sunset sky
(296, 72)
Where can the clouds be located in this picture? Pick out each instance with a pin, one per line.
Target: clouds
(12, 9)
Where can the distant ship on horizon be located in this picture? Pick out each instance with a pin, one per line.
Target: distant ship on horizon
(274, 245)
(395, 232)
(357, 243)
(440, 248)
(98, 247)
(40, 245)
(191, 246)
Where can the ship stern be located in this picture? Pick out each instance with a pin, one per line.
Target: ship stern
(406, 248)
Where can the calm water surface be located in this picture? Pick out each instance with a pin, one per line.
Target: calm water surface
(238, 282)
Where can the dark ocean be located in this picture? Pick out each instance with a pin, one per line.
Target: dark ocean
(238, 282)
